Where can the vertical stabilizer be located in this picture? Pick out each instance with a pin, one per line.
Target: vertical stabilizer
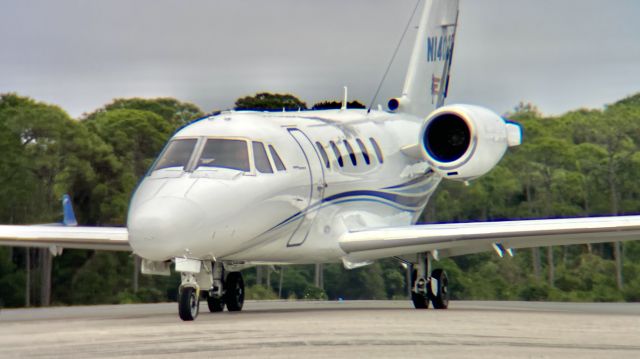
(427, 81)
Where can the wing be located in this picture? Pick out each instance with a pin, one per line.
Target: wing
(106, 238)
(454, 239)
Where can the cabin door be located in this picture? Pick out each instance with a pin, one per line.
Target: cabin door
(316, 187)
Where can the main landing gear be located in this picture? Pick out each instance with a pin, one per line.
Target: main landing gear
(207, 280)
(425, 289)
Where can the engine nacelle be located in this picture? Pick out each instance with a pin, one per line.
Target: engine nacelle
(464, 142)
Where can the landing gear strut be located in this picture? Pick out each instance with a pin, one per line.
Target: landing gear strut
(207, 279)
(427, 289)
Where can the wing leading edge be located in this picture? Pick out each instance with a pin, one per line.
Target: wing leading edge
(104, 238)
(454, 239)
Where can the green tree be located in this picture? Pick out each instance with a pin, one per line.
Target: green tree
(336, 105)
(46, 144)
(12, 280)
(361, 283)
(266, 101)
(174, 112)
(135, 136)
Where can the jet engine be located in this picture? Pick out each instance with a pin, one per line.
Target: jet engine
(464, 142)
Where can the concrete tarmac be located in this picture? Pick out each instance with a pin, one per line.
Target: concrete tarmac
(350, 329)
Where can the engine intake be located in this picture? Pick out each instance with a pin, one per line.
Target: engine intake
(447, 138)
(464, 142)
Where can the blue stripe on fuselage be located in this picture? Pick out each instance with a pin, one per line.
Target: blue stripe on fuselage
(360, 196)
(412, 203)
(396, 198)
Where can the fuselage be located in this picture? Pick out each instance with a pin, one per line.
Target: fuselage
(278, 187)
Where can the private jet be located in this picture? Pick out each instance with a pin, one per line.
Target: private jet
(244, 188)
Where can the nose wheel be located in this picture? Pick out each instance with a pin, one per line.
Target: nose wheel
(188, 304)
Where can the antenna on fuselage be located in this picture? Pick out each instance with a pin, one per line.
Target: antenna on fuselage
(393, 57)
(345, 98)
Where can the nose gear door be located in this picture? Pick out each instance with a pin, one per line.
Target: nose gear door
(316, 187)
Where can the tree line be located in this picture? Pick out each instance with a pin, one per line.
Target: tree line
(584, 162)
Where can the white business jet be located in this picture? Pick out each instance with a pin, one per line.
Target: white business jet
(244, 188)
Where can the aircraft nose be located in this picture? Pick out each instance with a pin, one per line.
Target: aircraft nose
(162, 228)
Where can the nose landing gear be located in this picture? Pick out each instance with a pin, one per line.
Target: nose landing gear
(207, 279)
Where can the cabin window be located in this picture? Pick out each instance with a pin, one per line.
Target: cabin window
(365, 153)
(260, 157)
(352, 155)
(336, 152)
(176, 155)
(225, 153)
(323, 154)
(276, 159)
(377, 149)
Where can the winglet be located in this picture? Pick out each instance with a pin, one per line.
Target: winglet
(69, 218)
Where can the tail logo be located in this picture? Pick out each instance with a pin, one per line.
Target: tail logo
(439, 48)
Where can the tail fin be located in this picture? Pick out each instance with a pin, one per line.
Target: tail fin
(69, 218)
(427, 81)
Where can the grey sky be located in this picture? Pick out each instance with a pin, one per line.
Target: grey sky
(78, 54)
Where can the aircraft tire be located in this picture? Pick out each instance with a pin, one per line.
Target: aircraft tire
(420, 301)
(440, 299)
(189, 304)
(215, 304)
(234, 292)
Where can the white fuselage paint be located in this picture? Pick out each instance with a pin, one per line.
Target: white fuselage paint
(291, 216)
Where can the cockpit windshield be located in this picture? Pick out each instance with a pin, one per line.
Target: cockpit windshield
(216, 152)
(177, 154)
(225, 153)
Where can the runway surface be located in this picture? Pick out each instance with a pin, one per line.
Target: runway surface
(350, 329)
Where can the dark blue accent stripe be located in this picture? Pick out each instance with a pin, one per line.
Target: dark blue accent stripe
(344, 198)
(412, 182)
(396, 198)
(288, 219)
(374, 200)
(418, 190)
(299, 215)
